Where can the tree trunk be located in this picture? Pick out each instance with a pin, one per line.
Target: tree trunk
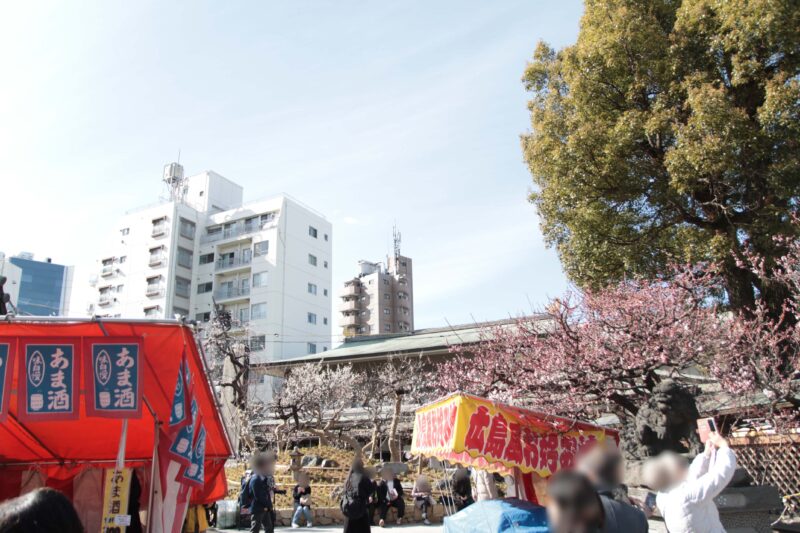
(394, 444)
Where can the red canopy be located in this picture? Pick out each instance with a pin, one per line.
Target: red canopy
(64, 447)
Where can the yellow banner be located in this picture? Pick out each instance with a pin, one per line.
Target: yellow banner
(117, 487)
(475, 431)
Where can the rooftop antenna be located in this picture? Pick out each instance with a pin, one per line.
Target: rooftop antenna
(175, 181)
(396, 239)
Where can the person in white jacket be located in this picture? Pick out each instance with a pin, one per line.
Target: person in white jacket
(686, 494)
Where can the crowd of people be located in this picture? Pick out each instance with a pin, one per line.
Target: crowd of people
(590, 498)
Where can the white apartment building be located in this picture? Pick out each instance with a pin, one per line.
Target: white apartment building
(268, 262)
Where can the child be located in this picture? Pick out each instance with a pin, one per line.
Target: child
(423, 499)
(302, 500)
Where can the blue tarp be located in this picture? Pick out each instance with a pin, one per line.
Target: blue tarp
(498, 516)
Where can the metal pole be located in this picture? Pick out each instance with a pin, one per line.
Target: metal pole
(153, 469)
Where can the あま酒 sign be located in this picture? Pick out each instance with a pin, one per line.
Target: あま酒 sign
(114, 377)
(48, 375)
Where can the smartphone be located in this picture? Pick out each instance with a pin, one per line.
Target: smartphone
(650, 501)
(706, 426)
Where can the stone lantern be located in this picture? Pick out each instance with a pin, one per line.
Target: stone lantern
(295, 462)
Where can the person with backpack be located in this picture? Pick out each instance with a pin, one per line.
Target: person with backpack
(356, 499)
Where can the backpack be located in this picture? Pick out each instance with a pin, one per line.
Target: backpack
(246, 494)
(353, 504)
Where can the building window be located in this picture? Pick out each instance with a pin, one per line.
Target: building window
(386, 282)
(326, 237)
(312, 231)
(156, 255)
(179, 311)
(258, 311)
(403, 263)
(325, 264)
(125, 231)
(251, 224)
(152, 311)
(213, 232)
(387, 327)
(312, 260)
(312, 347)
(203, 317)
(159, 226)
(206, 259)
(324, 292)
(205, 287)
(153, 285)
(266, 218)
(312, 318)
(387, 296)
(386, 311)
(122, 259)
(261, 248)
(260, 279)
(312, 289)
(187, 228)
(258, 343)
(182, 286)
(120, 287)
(325, 320)
(184, 258)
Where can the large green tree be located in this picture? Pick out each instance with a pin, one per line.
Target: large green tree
(669, 132)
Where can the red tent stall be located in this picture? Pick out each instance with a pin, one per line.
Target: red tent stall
(472, 431)
(63, 449)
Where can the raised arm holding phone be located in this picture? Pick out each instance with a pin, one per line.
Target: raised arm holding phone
(685, 493)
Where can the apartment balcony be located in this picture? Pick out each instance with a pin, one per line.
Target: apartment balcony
(350, 290)
(350, 305)
(105, 300)
(351, 320)
(232, 293)
(157, 260)
(108, 271)
(228, 263)
(239, 230)
(159, 230)
(154, 292)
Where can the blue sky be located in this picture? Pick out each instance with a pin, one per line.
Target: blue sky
(373, 113)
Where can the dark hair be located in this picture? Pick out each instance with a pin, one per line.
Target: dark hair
(40, 511)
(574, 495)
(356, 469)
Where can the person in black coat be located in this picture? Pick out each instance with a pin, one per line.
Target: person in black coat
(359, 484)
(369, 473)
(390, 494)
(462, 489)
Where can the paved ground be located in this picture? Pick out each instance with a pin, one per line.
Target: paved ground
(338, 529)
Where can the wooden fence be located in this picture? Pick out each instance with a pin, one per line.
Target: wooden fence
(773, 460)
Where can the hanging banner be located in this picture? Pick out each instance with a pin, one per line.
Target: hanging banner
(49, 380)
(181, 448)
(182, 398)
(114, 377)
(116, 491)
(8, 352)
(194, 473)
(488, 435)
